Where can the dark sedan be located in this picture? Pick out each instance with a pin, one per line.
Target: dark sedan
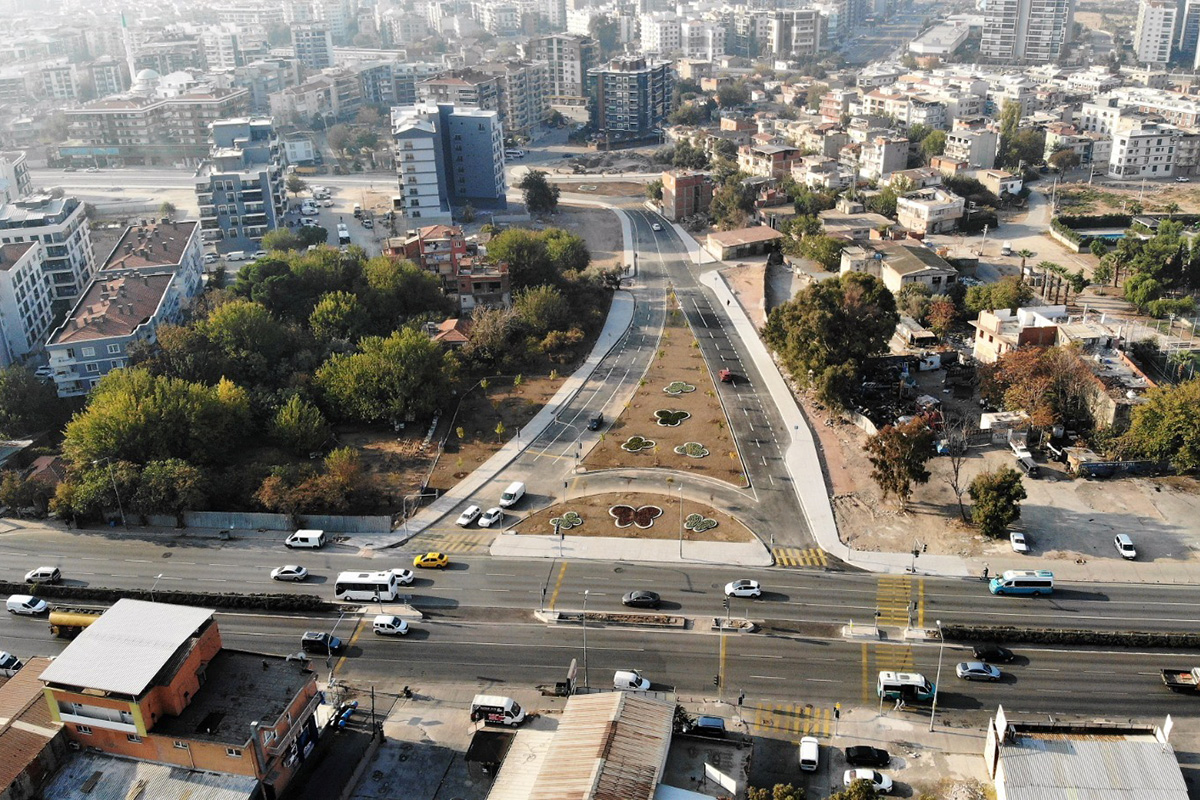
(641, 599)
(863, 756)
(993, 653)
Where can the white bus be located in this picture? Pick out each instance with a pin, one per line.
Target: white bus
(904, 686)
(377, 586)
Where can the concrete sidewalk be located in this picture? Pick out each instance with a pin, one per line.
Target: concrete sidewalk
(605, 548)
(620, 317)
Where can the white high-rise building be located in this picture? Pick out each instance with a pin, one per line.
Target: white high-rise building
(1155, 31)
(1026, 31)
(25, 301)
(660, 33)
(313, 44)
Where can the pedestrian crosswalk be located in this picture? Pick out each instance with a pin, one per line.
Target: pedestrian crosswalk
(893, 599)
(461, 543)
(790, 718)
(800, 557)
(877, 657)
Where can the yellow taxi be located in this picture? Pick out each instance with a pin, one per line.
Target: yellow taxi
(431, 561)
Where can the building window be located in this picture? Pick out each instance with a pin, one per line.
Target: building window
(88, 352)
(114, 348)
(133, 737)
(92, 367)
(233, 752)
(84, 729)
(178, 745)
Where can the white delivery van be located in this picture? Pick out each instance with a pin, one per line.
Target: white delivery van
(514, 492)
(496, 710)
(810, 754)
(314, 540)
(1006, 249)
(25, 604)
(630, 679)
(389, 625)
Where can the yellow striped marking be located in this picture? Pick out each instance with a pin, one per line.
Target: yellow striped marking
(867, 677)
(892, 597)
(794, 719)
(921, 603)
(721, 668)
(798, 557)
(557, 585)
(469, 543)
(358, 629)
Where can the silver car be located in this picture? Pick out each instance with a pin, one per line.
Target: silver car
(977, 671)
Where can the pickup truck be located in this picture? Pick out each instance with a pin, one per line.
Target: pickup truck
(1182, 680)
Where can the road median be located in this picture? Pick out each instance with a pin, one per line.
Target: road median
(1067, 636)
(96, 594)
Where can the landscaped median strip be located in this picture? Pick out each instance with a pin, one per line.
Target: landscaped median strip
(268, 602)
(1007, 634)
(735, 625)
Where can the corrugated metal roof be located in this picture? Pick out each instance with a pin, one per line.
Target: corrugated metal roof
(1090, 768)
(123, 650)
(21, 700)
(524, 759)
(609, 746)
(122, 778)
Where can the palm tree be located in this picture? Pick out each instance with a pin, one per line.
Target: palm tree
(1046, 267)
(1172, 209)
(1134, 207)
(1024, 254)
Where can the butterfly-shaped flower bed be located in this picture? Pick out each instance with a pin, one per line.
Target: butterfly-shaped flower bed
(633, 515)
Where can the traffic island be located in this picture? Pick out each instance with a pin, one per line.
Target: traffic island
(614, 619)
(723, 625)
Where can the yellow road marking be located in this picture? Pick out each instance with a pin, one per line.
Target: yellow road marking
(721, 668)
(800, 557)
(794, 719)
(558, 585)
(921, 603)
(358, 628)
(866, 675)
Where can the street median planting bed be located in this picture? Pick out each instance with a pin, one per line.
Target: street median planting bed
(635, 620)
(267, 602)
(1008, 634)
(675, 420)
(635, 516)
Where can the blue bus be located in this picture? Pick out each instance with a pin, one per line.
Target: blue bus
(1023, 581)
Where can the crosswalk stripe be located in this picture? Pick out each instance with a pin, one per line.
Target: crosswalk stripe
(800, 557)
(794, 719)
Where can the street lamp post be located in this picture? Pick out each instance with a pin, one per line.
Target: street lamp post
(681, 522)
(937, 684)
(586, 685)
(157, 578)
(116, 492)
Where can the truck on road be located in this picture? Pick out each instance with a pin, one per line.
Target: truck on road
(67, 622)
(1182, 680)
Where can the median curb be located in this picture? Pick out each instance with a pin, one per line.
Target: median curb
(618, 620)
(1071, 636)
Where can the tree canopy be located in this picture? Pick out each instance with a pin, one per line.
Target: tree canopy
(1051, 384)
(828, 329)
(541, 196)
(27, 403)
(898, 455)
(1166, 426)
(995, 496)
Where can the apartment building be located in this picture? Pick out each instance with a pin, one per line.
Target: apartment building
(462, 88)
(660, 33)
(443, 251)
(1188, 34)
(977, 147)
(1144, 150)
(15, 181)
(1026, 31)
(881, 156)
(240, 188)
(438, 249)
(149, 131)
(1154, 36)
(313, 45)
(836, 103)
(1003, 330)
(61, 225)
(447, 155)
(522, 103)
(26, 301)
(685, 194)
(632, 97)
(767, 160)
(569, 58)
(149, 279)
(930, 210)
(702, 40)
(335, 94)
(153, 682)
(796, 33)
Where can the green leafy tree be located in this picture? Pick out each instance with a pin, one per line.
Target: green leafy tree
(27, 403)
(913, 300)
(934, 144)
(172, 486)
(1166, 426)
(399, 289)
(1142, 289)
(1051, 384)
(20, 492)
(527, 255)
(780, 791)
(883, 203)
(310, 236)
(492, 341)
(253, 343)
(898, 455)
(568, 252)
(827, 330)
(731, 204)
(281, 240)
(541, 196)
(1064, 159)
(687, 156)
(825, 250)
(1103, 272)
(402, 377)
(725, 148)
(812, 98)
(1099, 249)
(995, 497)
(607, 32)
(166, 208)
(731, 95)
(654, 190)
(542, 309)
(942, 316)
(687, 114)
(299, 426)
(295, 184)
(337, 315)
(859, 790)
(1009, 292)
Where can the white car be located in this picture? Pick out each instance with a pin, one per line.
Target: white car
(656, 227)
(210, 258)
(1017, 540)
(309, 222)
(259, 254)
(469, 515)
(292, 572)
(403, 576)
(743, 588)
(327, 203)
(25, 604)
(9, 662)
(491, 517)
(879, 781)
(43, 372)
(1125, 546)
(236, 255)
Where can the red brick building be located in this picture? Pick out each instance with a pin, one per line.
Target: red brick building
(685, 194)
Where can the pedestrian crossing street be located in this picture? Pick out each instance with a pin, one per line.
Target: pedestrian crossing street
(798, 557)
(460, 543)
(878, 657)
(790, 718)
(893, 598)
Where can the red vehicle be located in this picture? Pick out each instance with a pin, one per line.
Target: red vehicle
(728, 377)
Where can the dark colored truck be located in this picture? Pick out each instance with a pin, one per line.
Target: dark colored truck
(1182, 680)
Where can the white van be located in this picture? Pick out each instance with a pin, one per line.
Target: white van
(43, 575)
(630, 679)
(25, 604)
(496, 710)
(389, 625)
(313, 540)
(810, 754)
(513, 494)
(1006, 249)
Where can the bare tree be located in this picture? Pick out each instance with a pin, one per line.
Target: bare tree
(955, 430)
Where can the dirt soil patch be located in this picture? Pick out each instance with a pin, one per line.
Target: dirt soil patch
(600, 228)
(658, 429)
(394, 463)
(579, 185)
(473, 437)
(596, 520)
(1080, 199)
(747, 284)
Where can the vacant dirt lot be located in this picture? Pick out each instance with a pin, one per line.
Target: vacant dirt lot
(637, 439)
(599, 227)
(1077, 199)
(598, 521)
(581, 185)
